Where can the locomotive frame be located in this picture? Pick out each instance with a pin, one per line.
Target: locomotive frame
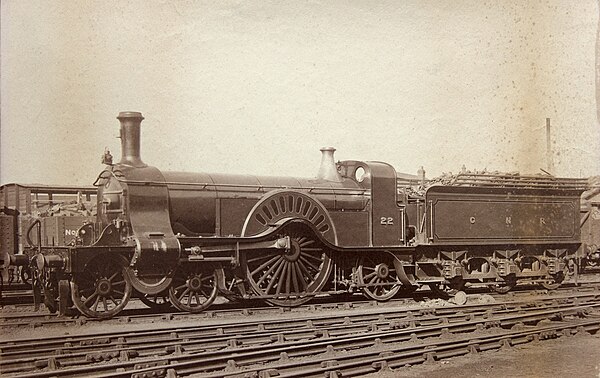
(286, 240)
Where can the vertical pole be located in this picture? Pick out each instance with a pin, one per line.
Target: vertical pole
(549, 160)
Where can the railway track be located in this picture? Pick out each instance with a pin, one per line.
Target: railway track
(351, 342)
(16, 294)
(26, 317)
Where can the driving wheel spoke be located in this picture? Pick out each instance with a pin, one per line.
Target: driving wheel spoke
(303, 267)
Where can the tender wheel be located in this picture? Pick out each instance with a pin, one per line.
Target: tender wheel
(289, 274)
(158, 301)
(505, 286)
(555, 281)
(102, 289)
(447, 290)
(193, 288)
(381, 275)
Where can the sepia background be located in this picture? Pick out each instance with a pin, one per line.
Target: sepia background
(259, 87)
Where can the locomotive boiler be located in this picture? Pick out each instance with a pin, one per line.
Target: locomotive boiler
(354, 227)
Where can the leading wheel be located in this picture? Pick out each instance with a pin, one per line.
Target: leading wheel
(380, 276)
(194, 288)
(289, 277)
(101, 290)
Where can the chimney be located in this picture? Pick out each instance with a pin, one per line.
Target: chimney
(421, 174)
(328, 170)
(130, 138)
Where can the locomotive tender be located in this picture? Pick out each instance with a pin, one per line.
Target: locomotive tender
(355, 226)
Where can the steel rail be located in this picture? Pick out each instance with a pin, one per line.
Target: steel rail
(23, 318)
(307, 342)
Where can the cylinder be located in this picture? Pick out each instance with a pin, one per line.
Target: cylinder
(130, 138)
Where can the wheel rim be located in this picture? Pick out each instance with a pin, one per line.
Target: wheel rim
(293, 274)
(102, 289)
(382, 274)
(193, 289)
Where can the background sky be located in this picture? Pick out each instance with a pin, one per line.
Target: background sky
(259, 87)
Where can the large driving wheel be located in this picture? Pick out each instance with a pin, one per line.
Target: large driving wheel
(194, 288)
(380, 276)
(102, 289)
(289, 276)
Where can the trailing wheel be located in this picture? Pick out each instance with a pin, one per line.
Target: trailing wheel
(102, 289)
(194, 288)
(289, 276)
(380, 276)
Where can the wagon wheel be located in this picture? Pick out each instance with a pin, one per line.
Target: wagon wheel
(503, 287)
(291, 274)
(102, 289)
(555, 281)
(158, 301)
(26, 274)
(194, 288)
(380, 273)
(446, 290)
(50, 291)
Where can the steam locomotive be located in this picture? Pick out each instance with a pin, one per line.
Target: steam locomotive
(357, 226)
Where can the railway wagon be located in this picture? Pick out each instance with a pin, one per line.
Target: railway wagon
(46, 214)
(356, 226)
(588, 255)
